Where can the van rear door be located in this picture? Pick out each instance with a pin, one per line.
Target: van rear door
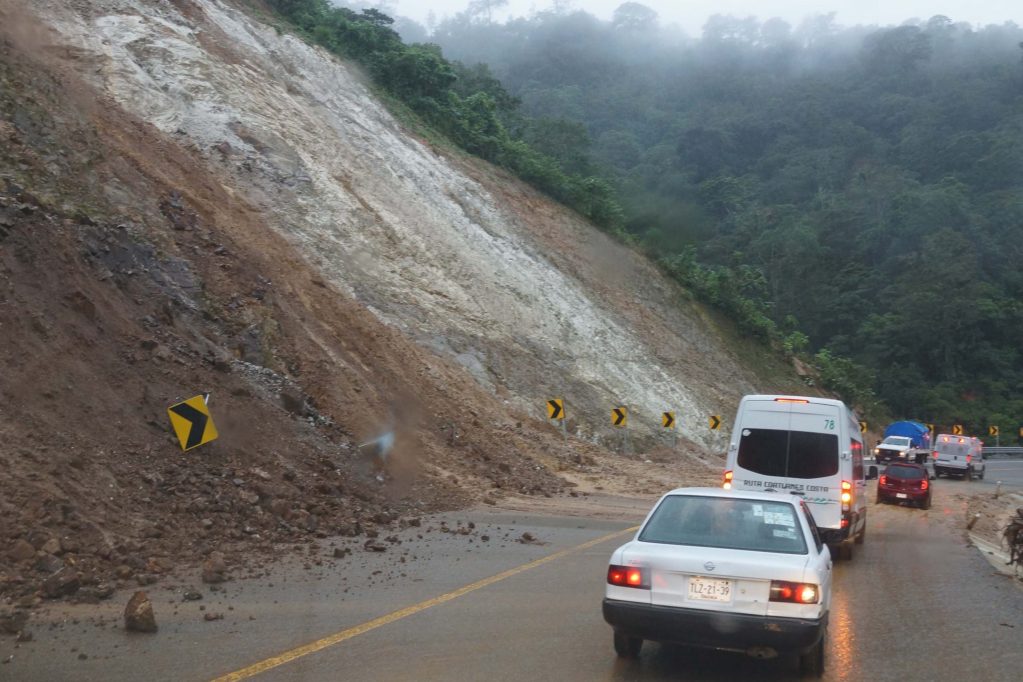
(793, 447)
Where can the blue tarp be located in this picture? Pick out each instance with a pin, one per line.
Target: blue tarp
(918, 433)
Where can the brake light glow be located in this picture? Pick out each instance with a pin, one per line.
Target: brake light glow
(628, 576)
(968, 458)
(791, 400)
(797, 593)
(727, 483)
(962, 440)
(924, 484)
(883, 480)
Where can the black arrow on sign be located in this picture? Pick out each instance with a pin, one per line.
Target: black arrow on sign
(619, 416)
(198, 420)
(669, 420)
(555, 409)
(714, 422)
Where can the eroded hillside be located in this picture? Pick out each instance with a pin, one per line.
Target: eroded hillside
(193, 201)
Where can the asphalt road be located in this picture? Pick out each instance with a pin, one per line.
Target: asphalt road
(915, 603)
(1008, 471)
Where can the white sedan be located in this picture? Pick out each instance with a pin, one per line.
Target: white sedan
(725, 569)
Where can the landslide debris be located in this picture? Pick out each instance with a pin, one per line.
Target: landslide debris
(130, 279)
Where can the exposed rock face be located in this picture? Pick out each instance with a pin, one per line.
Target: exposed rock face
(524, 295)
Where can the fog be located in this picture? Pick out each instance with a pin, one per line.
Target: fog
(692, 14)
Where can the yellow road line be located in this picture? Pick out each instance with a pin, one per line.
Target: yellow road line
(338, 637)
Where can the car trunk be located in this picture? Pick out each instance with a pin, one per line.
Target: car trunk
(734, 581)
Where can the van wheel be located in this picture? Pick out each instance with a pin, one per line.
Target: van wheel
(980, 477)
(811, 664)
(627, 647)
(968, 476)
(862, 535)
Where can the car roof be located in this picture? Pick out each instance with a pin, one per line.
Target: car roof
(734, 494)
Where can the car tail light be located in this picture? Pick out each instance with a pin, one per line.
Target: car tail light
(968, 458)
(628, 576)
(924, 484)
(727, 482)
(796, 593)
(883, 480)
(935, 454)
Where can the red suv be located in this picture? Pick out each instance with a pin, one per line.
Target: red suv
(909, 482)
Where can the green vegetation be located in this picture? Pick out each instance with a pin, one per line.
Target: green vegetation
(855, 195)
(468, 105)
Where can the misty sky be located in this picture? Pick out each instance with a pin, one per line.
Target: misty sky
(691, 14)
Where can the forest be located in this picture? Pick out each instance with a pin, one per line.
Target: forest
(852, 196)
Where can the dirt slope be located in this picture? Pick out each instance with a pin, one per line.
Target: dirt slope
(190, 202)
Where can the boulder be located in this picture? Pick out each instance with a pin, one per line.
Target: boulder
(138, 614)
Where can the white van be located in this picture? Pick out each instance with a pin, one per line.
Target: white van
(811, 447)
(958, 456)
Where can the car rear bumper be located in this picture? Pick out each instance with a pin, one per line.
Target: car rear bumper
(893, 494)
(712, 629)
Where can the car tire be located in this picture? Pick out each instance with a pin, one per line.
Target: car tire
(926, 504)
(845, 551)
(980, 477)
(879, 499)
(968, 475)
(626, 646)
(811, 664)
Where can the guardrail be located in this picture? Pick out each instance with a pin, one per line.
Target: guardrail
(1005, 452)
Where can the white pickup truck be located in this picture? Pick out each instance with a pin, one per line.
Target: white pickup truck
(899, 449)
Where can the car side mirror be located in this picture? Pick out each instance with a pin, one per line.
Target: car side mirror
(871, 472)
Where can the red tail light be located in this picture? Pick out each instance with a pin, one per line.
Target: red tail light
(796, 593)
(924, 484)
(727, 482)
(883, 480)
(935, 454)
(628, 576)
(968, 458)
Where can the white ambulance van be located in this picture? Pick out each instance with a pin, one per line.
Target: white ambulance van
(805, 446)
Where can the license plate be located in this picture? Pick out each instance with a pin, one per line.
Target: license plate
(901, 495)
(709, 589)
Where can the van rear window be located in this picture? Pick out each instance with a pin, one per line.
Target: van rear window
(788, 454)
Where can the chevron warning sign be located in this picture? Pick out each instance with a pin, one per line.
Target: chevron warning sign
(668, 420)
(957, 429)
(620, 416)
(863, 427)
(992, 430)
(715, 422)
(556, 408)
(192, 422)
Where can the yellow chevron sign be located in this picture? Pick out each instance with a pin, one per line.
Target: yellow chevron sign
(668, 420)
(192, 422)
(556, 408)
(620, 417)
(992, 430)
(957, 429)
(715, 422)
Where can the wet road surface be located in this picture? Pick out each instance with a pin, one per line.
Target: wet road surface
(915, 603)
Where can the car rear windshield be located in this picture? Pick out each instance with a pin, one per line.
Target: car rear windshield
(788, 454)
(897, 471)
(896, 440)
(727, 523)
